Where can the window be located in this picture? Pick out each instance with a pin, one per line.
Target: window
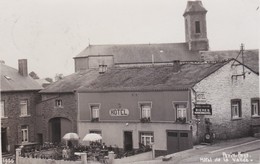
(58, 103)
(181, 111)
(146, 138)
(184, 134)
(94, 112)
(3, 112)
(236, 108)
(255, 110)
(145, 111)
(24, 129)
(197, 27)
(24, 107)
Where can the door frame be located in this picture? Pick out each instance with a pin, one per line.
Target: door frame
(124, 146)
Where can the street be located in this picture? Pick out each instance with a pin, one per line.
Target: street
(243, 150)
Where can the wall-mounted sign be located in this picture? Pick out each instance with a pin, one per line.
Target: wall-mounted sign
(201, 97)
(119, 112)
(202, 109)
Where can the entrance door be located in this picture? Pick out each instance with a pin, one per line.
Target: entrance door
(172, 142)
(58, 127)
(40, 138)
(128, 141)
(55, 130)
(4, 139)
(178, 141)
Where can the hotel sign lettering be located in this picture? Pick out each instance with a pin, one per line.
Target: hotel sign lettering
(119, 112)
(202, 109)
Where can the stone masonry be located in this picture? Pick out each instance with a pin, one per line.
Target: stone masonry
(47, 110)
(219, 88)
(14, 121)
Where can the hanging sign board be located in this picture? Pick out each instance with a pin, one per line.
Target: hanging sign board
(202, 109)
(119, 112)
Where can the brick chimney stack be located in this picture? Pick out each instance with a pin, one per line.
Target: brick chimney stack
(22, 67)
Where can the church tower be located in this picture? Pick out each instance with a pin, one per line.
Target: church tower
(195, 26)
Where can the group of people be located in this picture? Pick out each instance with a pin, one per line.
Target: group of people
(66, 153)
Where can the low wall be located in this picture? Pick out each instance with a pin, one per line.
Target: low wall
(135, 158)
(30, 160)
(22, 160)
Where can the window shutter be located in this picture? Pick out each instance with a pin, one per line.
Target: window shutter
(240, 108)
(232, 110)
(258, 107)
(252, 108)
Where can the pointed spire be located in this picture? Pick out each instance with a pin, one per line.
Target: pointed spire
(194, 6)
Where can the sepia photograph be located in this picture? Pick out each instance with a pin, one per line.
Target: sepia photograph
(129, 81)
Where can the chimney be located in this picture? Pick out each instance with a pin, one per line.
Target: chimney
(176, 66)
(22, 67)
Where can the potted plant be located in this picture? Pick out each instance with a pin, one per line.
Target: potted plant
(94, 119)
(181, 120)
(145, 119)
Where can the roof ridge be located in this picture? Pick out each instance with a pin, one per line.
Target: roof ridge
(230, 50)
(123, 44)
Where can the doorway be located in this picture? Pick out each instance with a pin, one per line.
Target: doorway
(58, 127)
(4, 139)
(128, 140)
(178, 141)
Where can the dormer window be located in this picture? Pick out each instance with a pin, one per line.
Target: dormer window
(197, 27)
(102, 68)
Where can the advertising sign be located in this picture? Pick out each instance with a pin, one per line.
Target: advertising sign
(119, 112)
(202, 109)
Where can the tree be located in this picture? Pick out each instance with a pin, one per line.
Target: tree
(34, 75)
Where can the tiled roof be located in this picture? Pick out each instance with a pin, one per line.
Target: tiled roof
(251, 57)
(150, 78)
(72, 82)
(133, 53)
(11, 80)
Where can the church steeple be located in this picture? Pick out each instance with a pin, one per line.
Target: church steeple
(195, 26)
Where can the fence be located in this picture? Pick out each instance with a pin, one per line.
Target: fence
(8, 161)
(30, 160)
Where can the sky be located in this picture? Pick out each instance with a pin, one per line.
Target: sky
(49, 33)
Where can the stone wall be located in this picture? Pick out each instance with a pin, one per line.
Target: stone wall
(219, 88)
(14, 121)
(47, 110)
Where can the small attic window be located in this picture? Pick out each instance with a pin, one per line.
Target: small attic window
(7, 77)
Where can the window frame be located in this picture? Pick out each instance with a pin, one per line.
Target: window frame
(27, 107)
(255, 100)
(91, 105)
(3, 109)
(148, 113)
(183, 119)
(25, 133)
(239, 112)
(146, 135)
(58, 103)
(197, 27)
